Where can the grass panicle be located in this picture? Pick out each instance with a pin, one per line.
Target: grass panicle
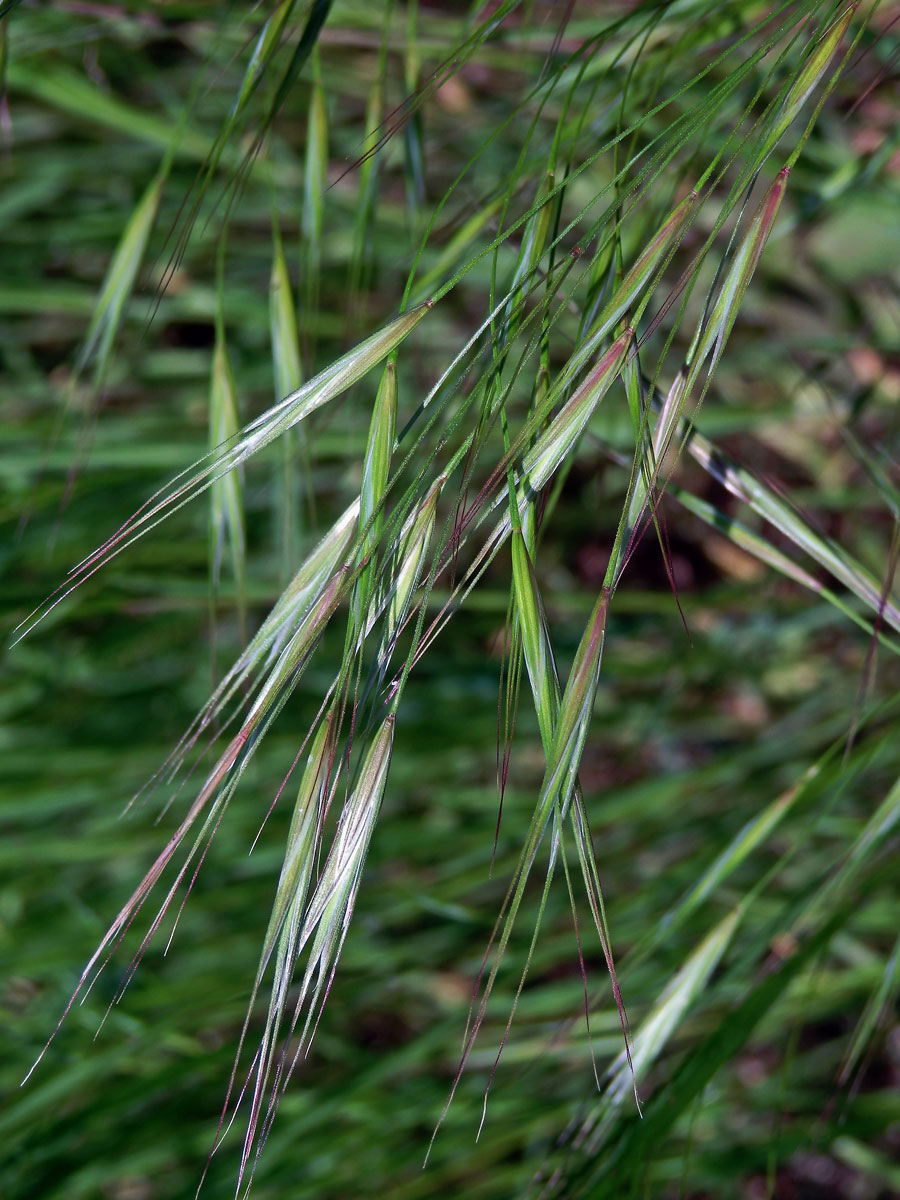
(615, 289)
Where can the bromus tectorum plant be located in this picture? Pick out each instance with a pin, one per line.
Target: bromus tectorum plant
(520, 275)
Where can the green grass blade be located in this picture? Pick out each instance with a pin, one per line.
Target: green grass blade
(226, 493)
(119, 282)
(288, 378)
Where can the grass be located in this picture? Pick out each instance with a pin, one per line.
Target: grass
(538, 642)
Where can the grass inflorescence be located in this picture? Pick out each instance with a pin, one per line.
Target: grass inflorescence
(550, 604)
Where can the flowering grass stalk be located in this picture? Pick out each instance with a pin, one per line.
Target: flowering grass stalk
(555, 312)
